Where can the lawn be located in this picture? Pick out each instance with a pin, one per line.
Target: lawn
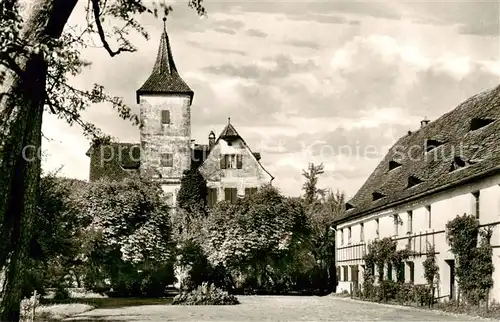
(109, 302)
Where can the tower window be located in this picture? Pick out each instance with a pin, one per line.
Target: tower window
(377, 231)
(167, 160)
(165, 117)
(361, 232)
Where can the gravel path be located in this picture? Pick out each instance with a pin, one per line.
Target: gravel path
(272, 308)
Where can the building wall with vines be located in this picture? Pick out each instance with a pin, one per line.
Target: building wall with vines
(416, 225)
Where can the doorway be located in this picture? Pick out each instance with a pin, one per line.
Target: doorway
(451, 265)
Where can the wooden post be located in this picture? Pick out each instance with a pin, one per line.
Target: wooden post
(34, 307)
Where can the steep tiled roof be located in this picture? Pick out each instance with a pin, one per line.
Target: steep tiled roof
(468, 150)
(164, 78)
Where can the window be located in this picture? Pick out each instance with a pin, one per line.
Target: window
(396, 224)
(410, 221)
(346, 273)
(167, 160)
(362, 232)
(250, 191)
(341, 237)
(393, 165)
(389, 272)
(413, 181)
(477, 123)
(411, 267)
(401, 272)
(476, 204)
(231, 161)
(378, 226)
(428, 215)
(349, 235)
(377, 196)
(165, 117)
(348, 206)
(431, 145)
(231, 194)
(212, 196)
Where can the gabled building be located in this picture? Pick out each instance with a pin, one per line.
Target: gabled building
(166, 149)
(448, 167)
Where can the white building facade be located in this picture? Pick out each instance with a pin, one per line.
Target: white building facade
(447, 168)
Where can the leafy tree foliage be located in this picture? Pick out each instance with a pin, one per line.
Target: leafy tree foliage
(129, 237)
(193, 192)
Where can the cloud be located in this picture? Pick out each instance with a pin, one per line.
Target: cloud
(256, 33)
(323, 18)
(225, 30)
(303, 43)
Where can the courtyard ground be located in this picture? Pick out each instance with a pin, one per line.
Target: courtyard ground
(272, 308)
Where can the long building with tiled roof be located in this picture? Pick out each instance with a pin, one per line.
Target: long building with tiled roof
(166, 149)
(446, 168)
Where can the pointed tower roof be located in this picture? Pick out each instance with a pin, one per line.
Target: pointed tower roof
(164, 78)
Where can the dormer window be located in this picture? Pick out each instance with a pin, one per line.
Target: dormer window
(348, 206)
(477, 123)
(432, 144)
(413, 181)
(377, 195)
(459, 163)
(393, 165)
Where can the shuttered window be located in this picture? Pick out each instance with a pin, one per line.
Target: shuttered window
(212, 196)
(239, 161)
(250, 191)
(231, 194)
(231, 161)
(165, 117)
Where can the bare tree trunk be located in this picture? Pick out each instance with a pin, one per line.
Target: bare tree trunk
(21, 112)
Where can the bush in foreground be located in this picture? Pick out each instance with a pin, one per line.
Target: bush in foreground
(205, 295)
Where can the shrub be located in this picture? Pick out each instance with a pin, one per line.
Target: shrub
(61, 294)
(205, 295)
(388, 290)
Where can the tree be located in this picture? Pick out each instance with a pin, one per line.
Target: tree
(322, 208)
(36, 58)
(310, 187)
(193, 191)
(130, 238)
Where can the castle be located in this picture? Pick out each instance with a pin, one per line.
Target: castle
(166, 149)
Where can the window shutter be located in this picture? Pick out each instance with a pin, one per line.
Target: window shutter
(248, 192)
(239, 161)
(227, 192)
(234, 195)
(222, 161)
(253, 191)
(165, 117)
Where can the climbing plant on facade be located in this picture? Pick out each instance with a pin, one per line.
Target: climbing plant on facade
(474, 267)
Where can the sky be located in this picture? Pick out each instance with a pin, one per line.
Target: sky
(332, 82)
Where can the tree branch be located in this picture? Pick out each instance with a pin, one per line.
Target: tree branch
(100, 31)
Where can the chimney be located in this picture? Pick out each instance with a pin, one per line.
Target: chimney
(424, 122)
(211, 140)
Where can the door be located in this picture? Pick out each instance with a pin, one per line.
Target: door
(451, 265)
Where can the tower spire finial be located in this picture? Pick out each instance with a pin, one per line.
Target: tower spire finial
(165, 24)
(229, 120)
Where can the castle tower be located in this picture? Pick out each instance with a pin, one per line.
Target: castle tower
(165, 110)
